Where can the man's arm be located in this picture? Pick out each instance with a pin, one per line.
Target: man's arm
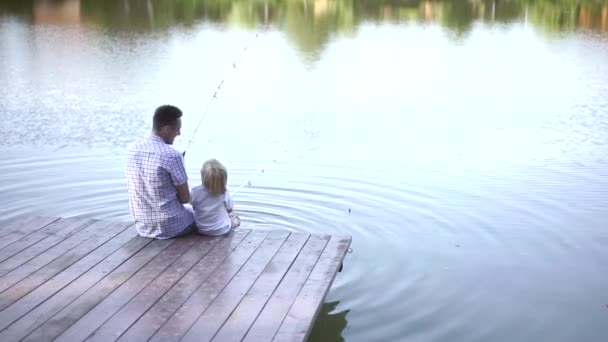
(183, 193)
(175, 167)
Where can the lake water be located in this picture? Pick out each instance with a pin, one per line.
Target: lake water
(462, 144)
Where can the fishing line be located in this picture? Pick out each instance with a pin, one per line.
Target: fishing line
(235, 64)
(247, 182)
(214, 97)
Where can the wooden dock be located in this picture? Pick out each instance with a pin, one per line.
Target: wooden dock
(75, 279)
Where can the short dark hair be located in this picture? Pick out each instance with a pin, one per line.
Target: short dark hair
(166, 115)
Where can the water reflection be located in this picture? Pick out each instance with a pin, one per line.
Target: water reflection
(53, 12)
(329, 324)
(310, 23)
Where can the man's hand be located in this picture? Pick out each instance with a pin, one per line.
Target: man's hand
(183, 193)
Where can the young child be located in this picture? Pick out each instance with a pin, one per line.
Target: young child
(213, 206)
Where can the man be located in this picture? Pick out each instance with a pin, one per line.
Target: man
(157, 180)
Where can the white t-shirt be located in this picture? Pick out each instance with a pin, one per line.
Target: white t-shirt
(210, 211)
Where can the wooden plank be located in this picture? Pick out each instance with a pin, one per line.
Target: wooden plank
(44, 238)
(79, 307)
(25, 224)
(36, 237)
(299, 320)
(58, 281)
(162, 310)
(211, 320)
(269, 320)
(41, 268)
(46, 310)
(16, 231)
(124, 318)
(40, 294)
(225, 303)
(11, 225)
(39, 257)
(187, 314)
(111, 304)
(237, 325)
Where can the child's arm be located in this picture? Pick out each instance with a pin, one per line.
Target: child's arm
(228, 202)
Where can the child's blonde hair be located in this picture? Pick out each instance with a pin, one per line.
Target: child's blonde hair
(215, 177)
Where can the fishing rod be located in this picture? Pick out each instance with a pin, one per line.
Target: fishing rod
(235, 65)
(214, 97)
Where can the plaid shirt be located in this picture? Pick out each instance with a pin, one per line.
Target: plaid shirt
(154, 170)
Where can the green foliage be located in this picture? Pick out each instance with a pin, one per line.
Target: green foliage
(310, 24)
